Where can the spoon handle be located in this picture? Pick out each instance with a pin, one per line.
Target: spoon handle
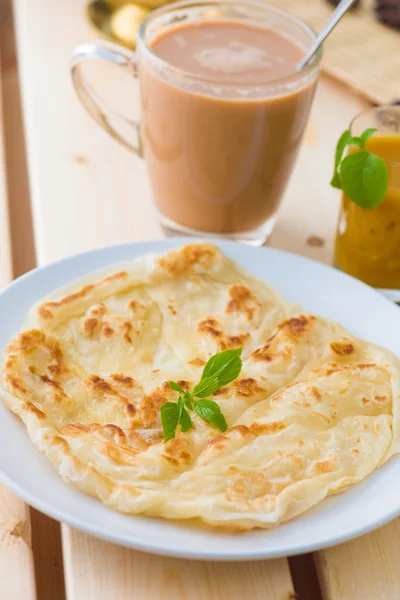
(340, 10)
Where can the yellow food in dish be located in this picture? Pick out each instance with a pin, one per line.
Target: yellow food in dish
(368, 241)
(313, 410)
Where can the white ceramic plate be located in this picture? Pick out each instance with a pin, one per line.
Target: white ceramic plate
(321, 290)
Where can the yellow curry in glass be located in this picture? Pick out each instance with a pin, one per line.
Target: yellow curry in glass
(368, 240)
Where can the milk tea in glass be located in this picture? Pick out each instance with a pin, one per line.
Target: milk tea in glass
(223, 112)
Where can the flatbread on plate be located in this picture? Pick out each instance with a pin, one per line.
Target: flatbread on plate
(313, 410)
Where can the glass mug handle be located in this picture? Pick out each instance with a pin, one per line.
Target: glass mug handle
(93, 103)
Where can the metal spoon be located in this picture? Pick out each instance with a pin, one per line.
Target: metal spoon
(340, 10)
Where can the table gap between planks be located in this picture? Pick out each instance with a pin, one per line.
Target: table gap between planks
(75, 170)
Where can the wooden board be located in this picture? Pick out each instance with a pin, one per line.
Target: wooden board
(362, 52)
(45, 534)
(364, 569)
(76, 170)
(17, 580)
(5, 240)
(100, 571)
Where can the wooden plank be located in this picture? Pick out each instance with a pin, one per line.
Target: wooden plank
(45, 534)
(22, 247)
(75, 170)
(17, 580)
(365, 569)
(5, 241)
(143, 576)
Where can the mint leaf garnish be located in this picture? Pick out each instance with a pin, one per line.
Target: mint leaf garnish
(367, 134)
(169, 420)
(176, 387)
(364, 178)
(206, 387)
(221, 369)
(188, 400)
(211, 412)
(184, 419)
(180, 406)
(225, 365)
(362, 175)
(340, 148)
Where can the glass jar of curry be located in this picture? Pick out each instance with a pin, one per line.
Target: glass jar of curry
(368, 240)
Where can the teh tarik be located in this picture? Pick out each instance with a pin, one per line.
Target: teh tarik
(220, 147)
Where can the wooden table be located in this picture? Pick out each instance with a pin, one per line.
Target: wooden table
(84, 191)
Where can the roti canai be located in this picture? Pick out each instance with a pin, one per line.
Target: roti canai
(313, 410)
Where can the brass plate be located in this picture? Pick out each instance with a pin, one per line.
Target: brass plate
(119, 22)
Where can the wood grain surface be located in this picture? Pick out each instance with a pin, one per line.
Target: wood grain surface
(88, 192)
(364, 569)
(17, 580)
(5, 249)
(20, 221)
(104, 569)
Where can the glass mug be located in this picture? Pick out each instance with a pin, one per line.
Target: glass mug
(368, 241)
(218, 153)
